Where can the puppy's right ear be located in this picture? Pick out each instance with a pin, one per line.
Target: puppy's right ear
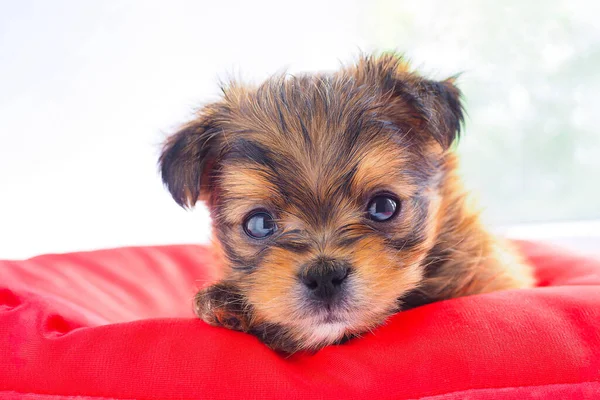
(186, 159)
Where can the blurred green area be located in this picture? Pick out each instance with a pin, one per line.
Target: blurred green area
(531, 85)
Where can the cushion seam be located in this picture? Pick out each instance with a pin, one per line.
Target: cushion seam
(504, 387)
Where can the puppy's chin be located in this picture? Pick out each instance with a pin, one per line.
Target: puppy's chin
(302, 336)
(325, 333)
(312, 334)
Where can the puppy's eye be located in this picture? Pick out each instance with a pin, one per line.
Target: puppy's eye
(382, 208)
(259, 225)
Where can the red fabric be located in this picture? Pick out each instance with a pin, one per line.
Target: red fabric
(118, 324)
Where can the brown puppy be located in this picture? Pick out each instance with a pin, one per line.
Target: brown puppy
(336, 203)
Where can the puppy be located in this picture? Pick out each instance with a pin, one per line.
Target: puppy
(336, 203)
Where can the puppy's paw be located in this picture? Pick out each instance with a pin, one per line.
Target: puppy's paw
(222, 305)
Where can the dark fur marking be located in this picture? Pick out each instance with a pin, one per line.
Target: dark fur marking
(346, 181)
(275, 336)
(237, 262)
(436, 257)
(409, 242)
(355, 130)
(345, 339)
(242, 149)
(305, 133)
(348, 241)
(281, 119)
(296, 247)
(352, 233)
(419, 233)
(414, 298)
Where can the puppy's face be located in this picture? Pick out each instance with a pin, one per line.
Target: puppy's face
(323, 191)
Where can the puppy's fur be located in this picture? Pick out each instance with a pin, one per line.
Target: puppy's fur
(312, 151)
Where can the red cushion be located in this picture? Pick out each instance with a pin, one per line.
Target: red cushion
(118, 324)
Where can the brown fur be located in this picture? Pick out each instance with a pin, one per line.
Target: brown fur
(313, 150)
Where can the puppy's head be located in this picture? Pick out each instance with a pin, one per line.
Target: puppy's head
(323, 191)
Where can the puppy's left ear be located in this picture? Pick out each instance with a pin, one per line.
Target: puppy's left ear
(439, 106)
(187, 158)
(433, 108)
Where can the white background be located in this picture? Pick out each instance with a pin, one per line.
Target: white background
(89, 90)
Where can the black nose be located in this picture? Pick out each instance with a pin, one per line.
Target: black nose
(325, 279)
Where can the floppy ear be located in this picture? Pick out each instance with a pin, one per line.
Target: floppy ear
(439, 104)
(186, 160)
(431, 106)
